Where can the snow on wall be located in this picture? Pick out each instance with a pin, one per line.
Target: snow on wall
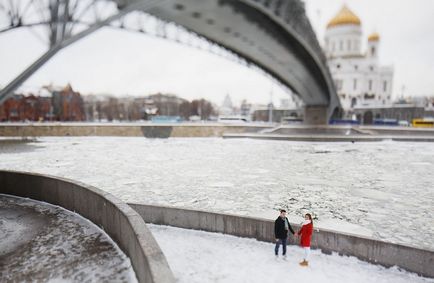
(46, 243)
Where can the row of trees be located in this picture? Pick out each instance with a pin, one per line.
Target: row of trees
(144, 108)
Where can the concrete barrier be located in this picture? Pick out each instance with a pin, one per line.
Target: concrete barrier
(116, 218)
(379, 252)
(148, 130)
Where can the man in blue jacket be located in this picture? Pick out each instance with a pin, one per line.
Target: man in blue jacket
(281, 228)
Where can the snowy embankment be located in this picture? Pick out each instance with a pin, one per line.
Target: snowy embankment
(197, 256)
(40, 242)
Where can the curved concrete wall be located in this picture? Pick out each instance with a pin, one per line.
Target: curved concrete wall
(117, 219)
(374, 251)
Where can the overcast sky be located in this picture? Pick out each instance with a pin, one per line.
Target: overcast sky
(120, 63)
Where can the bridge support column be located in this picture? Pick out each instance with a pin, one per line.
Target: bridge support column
(316, 115)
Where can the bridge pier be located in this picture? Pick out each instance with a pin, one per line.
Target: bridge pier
(316, 115)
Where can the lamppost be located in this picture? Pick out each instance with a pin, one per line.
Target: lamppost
(270, 107)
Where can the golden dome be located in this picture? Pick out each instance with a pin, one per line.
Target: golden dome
(374, 37)
(344, 17)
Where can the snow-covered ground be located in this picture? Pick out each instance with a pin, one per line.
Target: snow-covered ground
(197, 256)
(40, 242)
(384, 190)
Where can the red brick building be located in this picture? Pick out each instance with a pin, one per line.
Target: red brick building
(64, 105)
(25, 108)
(68, 105)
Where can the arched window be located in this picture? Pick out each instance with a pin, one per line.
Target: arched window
(353, 102)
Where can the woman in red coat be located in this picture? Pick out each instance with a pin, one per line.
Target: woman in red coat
(306, 233)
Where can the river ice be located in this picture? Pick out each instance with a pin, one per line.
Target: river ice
(40, 242)
(202, 257)
(382, 189)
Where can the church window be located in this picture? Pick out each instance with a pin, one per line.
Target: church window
(341, 45)
(370, 85)
(349, 45)
(338, 66)
(356, 67)
(373, 51)
(353, 102)
(355, 84)
(385, 86)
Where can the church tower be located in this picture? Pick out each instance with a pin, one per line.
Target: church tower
(373, 45)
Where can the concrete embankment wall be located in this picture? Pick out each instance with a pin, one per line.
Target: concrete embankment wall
(254, 131)
(116, 218)
(127, 130)
(394, 131)
(387, 254)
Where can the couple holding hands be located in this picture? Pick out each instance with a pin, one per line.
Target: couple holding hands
(281, 228)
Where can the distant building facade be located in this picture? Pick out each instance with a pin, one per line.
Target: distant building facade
(359, 78)
(278, 115)
(401, 110)
(227, 108)
(398, 112)
(109, 108)
(61, 105)
(26, 108)
(68, 105)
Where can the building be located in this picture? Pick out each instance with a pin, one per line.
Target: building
(262, 114)
(26, 108)
(359, 78)
(166, 104)
(399, 112)
(68, 105)
(227, 107)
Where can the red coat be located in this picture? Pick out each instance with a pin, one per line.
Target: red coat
(306, 233)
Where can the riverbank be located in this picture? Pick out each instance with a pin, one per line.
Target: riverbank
(200, 130)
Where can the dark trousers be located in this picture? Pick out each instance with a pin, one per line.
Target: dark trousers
(278, 243)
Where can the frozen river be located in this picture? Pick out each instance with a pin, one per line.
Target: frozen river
(384, 190)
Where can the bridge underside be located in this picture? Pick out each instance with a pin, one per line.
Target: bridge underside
(261, 34)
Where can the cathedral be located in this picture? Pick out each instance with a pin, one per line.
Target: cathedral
(359, 78)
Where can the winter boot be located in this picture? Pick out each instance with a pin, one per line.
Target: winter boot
(304, 263)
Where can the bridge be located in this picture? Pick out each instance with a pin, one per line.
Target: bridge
(274, 35)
